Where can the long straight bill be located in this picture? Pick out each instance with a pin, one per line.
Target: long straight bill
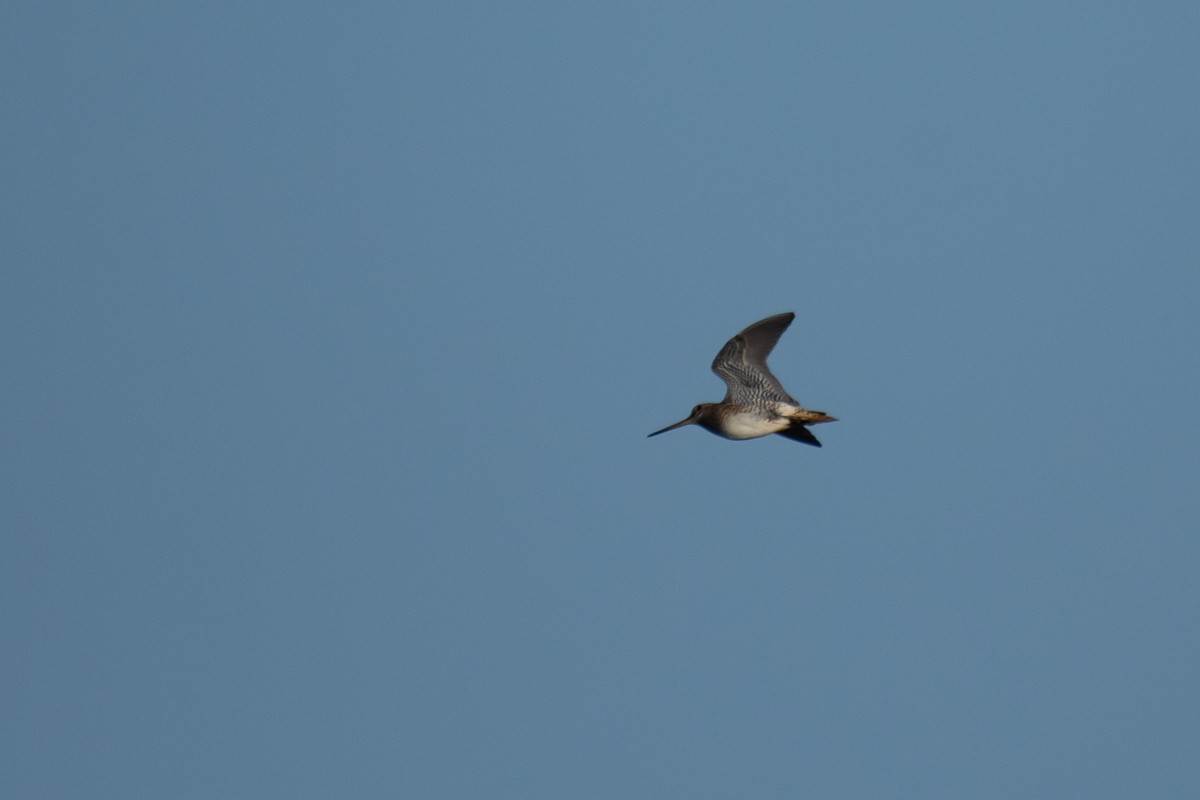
(679, 424)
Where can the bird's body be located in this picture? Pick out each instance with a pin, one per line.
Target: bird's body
(755, 403)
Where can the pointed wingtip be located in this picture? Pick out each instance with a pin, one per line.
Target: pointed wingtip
(799, 433)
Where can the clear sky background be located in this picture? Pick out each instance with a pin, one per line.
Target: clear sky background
(332, 334)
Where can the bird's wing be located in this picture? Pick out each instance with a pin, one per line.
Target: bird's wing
(742, 362)
(799, 433)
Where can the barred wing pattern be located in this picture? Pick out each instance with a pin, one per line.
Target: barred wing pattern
(742, 363)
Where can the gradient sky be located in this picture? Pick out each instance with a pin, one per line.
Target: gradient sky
(332, 334)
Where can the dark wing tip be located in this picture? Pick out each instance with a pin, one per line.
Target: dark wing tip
(775, 324)
(778, 322)
(760, 338)
(799, 433)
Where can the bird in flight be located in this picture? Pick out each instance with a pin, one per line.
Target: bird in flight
(755, 402)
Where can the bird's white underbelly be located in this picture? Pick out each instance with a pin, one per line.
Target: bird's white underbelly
(751, 426)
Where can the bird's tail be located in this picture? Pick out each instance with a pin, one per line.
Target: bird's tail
(810, 417)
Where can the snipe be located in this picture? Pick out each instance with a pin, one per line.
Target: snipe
(755, 403)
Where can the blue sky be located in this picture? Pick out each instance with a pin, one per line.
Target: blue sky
(332, 335)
